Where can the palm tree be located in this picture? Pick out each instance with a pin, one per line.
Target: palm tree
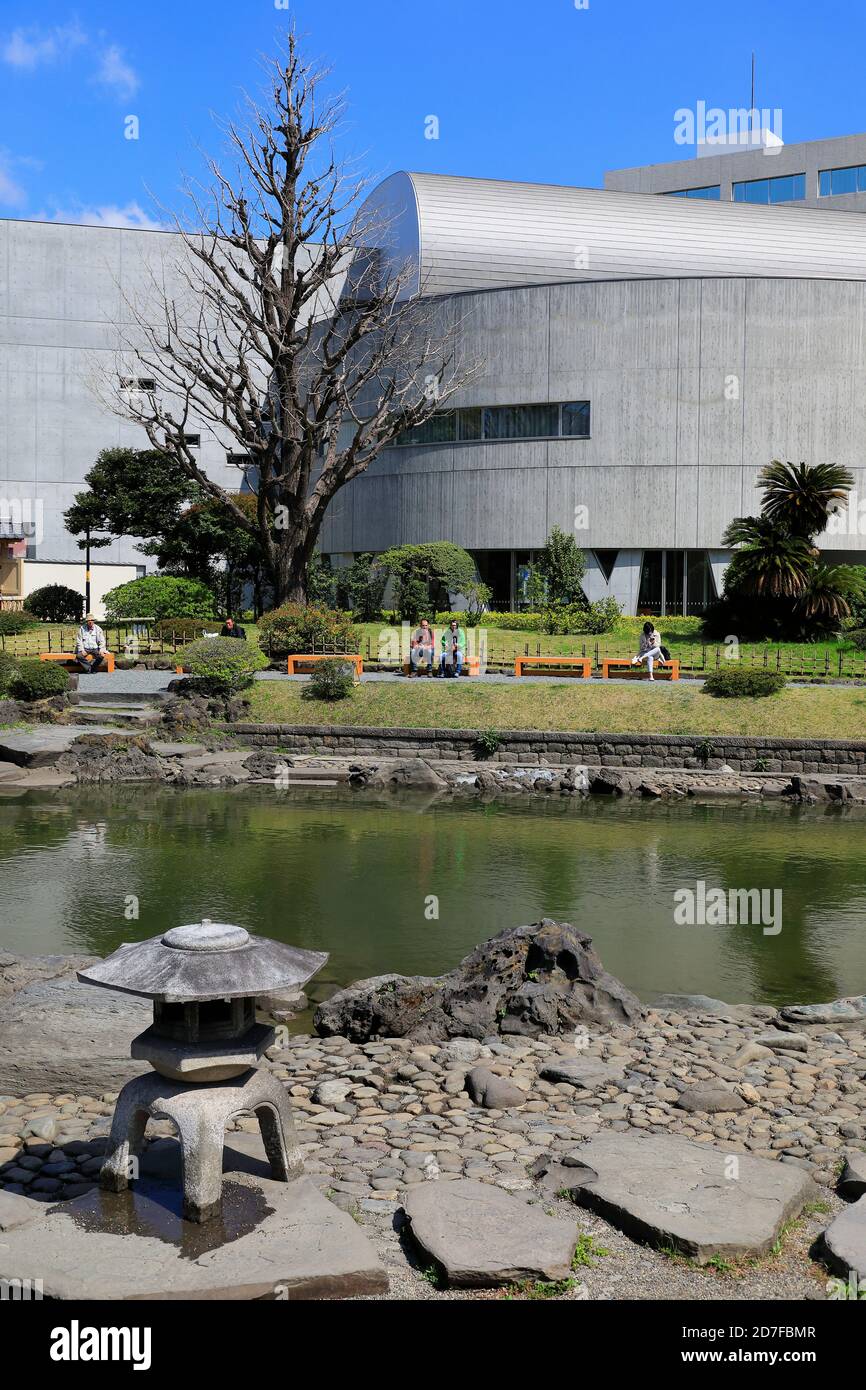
(768, 561)
(826, 600)
(799, 497)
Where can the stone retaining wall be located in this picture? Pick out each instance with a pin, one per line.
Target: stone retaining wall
(595, 750)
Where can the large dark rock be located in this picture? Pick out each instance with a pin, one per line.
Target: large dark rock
(540, 979)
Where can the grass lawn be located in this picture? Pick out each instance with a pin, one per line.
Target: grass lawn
(819, 712)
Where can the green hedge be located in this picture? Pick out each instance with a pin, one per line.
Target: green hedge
(38, 680)
(736, 682)
(9, 669)
(56, 603)
(296, 628)
(11, 624)
(159, 596)
(221, 665)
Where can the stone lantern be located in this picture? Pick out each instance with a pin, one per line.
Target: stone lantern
(204, 1046)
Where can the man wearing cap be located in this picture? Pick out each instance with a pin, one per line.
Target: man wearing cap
(90, 648)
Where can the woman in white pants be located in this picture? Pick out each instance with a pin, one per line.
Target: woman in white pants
(650, 648)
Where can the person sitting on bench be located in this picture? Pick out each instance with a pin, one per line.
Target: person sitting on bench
(421, 648)
(90, 648)
(650, 649)
(453, 649)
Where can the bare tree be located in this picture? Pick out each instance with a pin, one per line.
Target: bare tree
(309, 384)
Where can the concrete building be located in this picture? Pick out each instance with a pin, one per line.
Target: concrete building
(643, 358)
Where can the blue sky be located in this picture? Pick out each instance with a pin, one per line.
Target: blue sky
(544, 91)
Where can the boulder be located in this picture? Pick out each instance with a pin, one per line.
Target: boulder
(850, 1010)
(492, 1091)
(59, 1035)
(589, 1073)
(534, 980)
(700, 1200)
(614, 781)
(413, 775)
(843, 1244)
(852, 1183)
(710, 1098)
(783, 1042)
(481, 1236)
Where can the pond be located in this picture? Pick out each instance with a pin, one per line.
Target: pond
(359, 877)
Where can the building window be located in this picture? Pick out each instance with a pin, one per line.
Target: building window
(832, 182)
(193, 440)
(787, 188)
(712, 191)
(137, 383)
(606, 559)
(568, 420)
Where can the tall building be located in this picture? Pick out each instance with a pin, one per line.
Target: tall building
(642, 357)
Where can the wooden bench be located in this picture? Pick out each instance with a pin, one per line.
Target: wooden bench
(70, 659)
(584, 663)
(471, 666)
(671, 668)
(304, 658)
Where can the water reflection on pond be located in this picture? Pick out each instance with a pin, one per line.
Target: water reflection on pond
(353, 876)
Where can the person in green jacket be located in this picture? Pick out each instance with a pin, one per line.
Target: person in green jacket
(453, 649)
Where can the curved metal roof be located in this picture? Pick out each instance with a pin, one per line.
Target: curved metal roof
(470, 234)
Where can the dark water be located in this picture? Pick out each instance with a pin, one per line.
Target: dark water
(353, 876)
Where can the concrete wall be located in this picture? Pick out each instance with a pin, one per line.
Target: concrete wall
(64, 295)
(694, 385)
(808, 157)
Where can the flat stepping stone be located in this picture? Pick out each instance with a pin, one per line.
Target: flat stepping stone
(42, 748)
(16, 1210)
(710, 1098)
(851, 1010)
(291, 1242)
(844, 1241)
(696, 1198)
(587, 1072)
(481, 1236)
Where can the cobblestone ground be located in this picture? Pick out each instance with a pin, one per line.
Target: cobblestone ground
(375, 1119)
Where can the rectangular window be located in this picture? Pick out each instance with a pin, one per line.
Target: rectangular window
(712, 191)
(521, 422)
(575, 419)
(501, 422)
(832, 182)
(787, 188)
(193, 440)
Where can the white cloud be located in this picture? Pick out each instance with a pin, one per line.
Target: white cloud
(116, 73)
(12, 195)
(131, 214)
(31, 48)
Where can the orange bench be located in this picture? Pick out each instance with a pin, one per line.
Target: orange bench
(671, 668)
(583, 662)
(471, 666)
(304, 658)
(69, 657)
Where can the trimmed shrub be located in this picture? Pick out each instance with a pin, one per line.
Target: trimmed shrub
(221, 665)
(602, 616)
(11, 624)
(9, 669)
(296, 628)
(159, 596)
(56, 603)
(38, 680)
(736, 682)
(331, 680)
(857, 635)
(184, 629)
